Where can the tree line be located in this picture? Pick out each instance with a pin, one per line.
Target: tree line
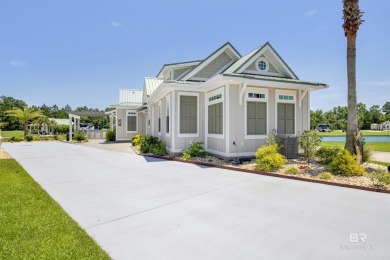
(11, 123)
(337, 117)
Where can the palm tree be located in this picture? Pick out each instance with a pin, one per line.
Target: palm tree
(352, 20)
(24, 115)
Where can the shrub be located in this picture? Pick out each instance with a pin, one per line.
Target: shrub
(268, 158)
(326, 154)
(309, 140)
(293, 170)
(79, 137)
(345, 164)
(28, 137)
(110, 136)
(136, 140)
(195, 150)
(367, 153)
(16, 139)
(151, 144)
(36, 138)
(62, 129)
(325, 176)
(55, 137)
(385, 178)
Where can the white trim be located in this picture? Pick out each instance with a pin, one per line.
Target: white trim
(242, 92)
(133, 113)
(227, 116)
(199, 78)
(264, 73)
(244, 154)
(302, 94)
(218, 91)
(197, 114)
(173, 108)
(308, 110)
(168, 113)
(262, 100)
(277, 100)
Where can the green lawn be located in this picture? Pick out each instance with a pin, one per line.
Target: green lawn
(33, 225)
(364, 133)
(381, 163)
(381, 147)
(12, 133)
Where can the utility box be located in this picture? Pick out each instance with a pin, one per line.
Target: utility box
(289, 145)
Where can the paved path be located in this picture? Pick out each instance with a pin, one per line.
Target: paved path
(381, 157)
(143, 208)
(110, 146)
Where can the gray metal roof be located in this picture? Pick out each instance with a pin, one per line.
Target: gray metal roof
(151, 84)
(130, 96)
(237, 65)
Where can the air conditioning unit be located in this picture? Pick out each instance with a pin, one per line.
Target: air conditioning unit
(289, 145)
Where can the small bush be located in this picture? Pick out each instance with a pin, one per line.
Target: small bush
(385, 178)
(292, 170)
(79, 137)
(16, 139)
(28, 137)
(345, 164)
(268, 158)
(136, 140)
(110, 136)
(61, 129)
(55, 137)
(36, 138)
(325, 176)
(309, 140)
(326, 154)
(367, 153)
(195, 150)
(151, 144)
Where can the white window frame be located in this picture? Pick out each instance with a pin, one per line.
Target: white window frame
(262, 100)
(168, 113)
(277, 100)
(219, 91)
(197, 114)
(257, 64)
(133, 113)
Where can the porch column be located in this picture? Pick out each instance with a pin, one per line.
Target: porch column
(70, 127)
(111, 122)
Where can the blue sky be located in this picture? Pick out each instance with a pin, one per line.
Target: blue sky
(81, 52)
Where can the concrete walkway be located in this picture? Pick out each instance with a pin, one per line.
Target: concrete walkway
(144, 208)
(123, 147)
(381, 157)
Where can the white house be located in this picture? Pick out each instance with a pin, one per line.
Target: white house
(227, 101)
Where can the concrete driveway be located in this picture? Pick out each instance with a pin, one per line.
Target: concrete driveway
(143, 208)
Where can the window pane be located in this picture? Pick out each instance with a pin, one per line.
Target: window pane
(167, 124)
(131, 123)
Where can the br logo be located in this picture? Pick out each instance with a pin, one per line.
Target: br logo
(357, 237)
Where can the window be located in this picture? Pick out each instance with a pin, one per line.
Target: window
(159, 116)
(131, 122)
(286, 118)
(167, 108)
(285, 97)
(256, 118)
(256, 95)
(215, 115)
(188, 114)
(262, 64)
(216, 97)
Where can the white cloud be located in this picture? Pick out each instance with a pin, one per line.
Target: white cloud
(116, 24)
(310, 13)
(17, 63)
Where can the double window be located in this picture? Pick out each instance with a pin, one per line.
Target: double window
(131, 122)
(188, 114)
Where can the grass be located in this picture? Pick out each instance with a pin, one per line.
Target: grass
(33, 225)
(364, 133)
(12, 133)
(380, 147)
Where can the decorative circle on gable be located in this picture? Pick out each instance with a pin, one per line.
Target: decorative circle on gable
(262, 64)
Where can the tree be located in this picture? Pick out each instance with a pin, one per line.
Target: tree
(7, 103)
(352, 20)
(24, 115)
(386, 108)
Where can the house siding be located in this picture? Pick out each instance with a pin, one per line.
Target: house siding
(252, 66)
(214, 66)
